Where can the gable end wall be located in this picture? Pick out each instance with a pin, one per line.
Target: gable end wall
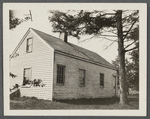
(40, 60)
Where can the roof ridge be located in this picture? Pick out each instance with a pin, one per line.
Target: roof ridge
(82, 47)
(80, 51)
(67, 43)
(45, 33)
(50, 40)
(90, 51)
(62, 41)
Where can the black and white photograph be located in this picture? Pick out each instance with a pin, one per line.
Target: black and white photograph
(76, 59)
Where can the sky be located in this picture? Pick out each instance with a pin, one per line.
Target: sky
(41, 22)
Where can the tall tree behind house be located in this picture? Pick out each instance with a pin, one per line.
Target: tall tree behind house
(95, 23)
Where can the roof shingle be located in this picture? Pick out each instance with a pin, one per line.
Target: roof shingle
(72, 49)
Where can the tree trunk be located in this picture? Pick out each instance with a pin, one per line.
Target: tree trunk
(122, 80)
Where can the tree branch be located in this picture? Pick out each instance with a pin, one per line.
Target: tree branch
(129, 45)
(132, 49)
(127, 26)
(86, 39)
(124, 18)
(108, 39)
(112, 31)
(130, 29)
(108, 35)
(125, 10)
(109, 45)
(30, 15)
(110, 13)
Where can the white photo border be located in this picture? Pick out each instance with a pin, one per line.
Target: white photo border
(142, 7)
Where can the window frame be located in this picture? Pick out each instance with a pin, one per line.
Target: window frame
(29, 45)
(101, 80)
(24, 74)
(82, 85)
(63, 75)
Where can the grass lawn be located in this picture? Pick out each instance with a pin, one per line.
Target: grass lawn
(98, 103)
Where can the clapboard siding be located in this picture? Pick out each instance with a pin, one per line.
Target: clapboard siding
(36, 92)
(40, 60)
(92, 89)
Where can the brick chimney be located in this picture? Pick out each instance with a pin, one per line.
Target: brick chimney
(64, 36)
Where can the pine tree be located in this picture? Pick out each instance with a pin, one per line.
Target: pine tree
(95, 23)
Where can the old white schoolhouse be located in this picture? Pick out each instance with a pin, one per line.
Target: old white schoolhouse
(66, 71)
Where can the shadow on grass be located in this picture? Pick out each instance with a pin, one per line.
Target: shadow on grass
(91, 101)
(97, 103)
(133, 101)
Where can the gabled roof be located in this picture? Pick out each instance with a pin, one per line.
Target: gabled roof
(72, 49)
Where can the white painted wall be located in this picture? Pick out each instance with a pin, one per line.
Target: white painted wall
(41, 62)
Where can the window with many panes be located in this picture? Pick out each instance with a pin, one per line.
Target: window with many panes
(26, 76)
(101, 79)
(29, 45)
(81, 77)
(60, 74)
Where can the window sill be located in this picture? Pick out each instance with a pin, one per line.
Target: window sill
(59, 84)
(102, 87)
(26, 86)
(81, 86)
(28, 52)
